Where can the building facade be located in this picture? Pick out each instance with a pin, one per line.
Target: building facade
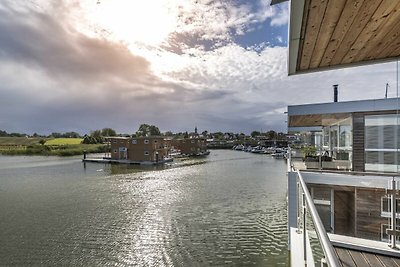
(356, 135)
(139, 149)
(190, 146)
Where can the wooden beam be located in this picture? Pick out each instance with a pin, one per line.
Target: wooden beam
(316, 14)
(375, 24)
(345, 21)
(364, 14)
(335, 8)
(378, 36)
(391, 46)
(303, 33)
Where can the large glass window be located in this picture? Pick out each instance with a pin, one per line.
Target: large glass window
(345, 136)
(382, 142)
(338, 140)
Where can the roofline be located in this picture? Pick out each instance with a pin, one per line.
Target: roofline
(296, 11)
(275, 2)
(346, 107)
(304, 129)
(341, 66)
(360, 180)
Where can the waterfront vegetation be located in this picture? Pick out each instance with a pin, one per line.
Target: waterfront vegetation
(47, 146)
(72, 143)
(63, 141)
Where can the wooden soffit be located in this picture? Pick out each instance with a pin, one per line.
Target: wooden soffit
(329, 34)
(316, 119)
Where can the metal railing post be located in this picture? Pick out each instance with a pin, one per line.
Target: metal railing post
(304, 230)
(329, 252)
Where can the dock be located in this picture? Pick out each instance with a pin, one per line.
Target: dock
(129, 162)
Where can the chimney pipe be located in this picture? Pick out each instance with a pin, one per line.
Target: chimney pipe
(335, 92)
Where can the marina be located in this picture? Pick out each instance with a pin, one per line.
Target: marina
(228, 208)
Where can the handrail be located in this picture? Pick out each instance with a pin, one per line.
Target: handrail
(327, 247)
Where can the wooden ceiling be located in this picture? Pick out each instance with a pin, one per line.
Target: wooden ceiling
(338, 33)
(316, 119)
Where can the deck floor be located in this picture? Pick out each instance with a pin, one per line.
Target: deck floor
(353, 258)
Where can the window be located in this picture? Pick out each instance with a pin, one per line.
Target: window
(155, 141)
(192, 142)
(115, 151)
(386, 206)
(146, 153)
(114, 141)
(146, 141)
(134, 141)
(382, 143)
(384, 228)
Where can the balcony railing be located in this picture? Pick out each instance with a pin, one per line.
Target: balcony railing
(317, 248)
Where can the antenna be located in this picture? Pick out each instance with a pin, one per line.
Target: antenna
(387, 86)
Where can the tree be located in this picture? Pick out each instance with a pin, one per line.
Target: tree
(89, 140)
(42, 141)
(218, 135)
(255, 133)
(108, 132)
(168, 133)
(282, 136)
(55, 135)
(271, 135)
(148, 130)
(97, 136)
(71, 135)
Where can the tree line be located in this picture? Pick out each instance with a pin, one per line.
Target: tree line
(98, 136)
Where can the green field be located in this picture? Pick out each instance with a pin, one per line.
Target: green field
(63, 141)
(52, 147)
(20, 141)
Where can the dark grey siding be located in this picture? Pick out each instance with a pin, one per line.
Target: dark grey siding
(358, 142)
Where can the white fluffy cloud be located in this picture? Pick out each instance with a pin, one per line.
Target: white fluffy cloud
(57, 77)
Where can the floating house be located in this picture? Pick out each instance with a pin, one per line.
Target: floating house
(196, 146)
(355, 135)
(142, 150)
(343, 199)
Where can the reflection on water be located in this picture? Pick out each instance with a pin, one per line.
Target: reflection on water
(226, 209)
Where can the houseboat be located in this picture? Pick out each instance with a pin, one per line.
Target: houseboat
(190, 147)
(136, 150)
(343, 207)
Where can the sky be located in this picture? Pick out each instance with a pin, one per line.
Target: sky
(69, 65)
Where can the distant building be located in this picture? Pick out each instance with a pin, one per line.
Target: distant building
(190, 146)
(139, 149)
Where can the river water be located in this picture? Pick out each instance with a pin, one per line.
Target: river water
(228, 209)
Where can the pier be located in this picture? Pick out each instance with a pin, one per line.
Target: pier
(130, 162)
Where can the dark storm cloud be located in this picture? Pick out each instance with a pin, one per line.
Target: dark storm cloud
(55, 78)
(41, 40)
(80, 83)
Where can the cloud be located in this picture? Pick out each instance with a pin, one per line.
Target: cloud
(44, 41)
(281, 16)
(58, 78)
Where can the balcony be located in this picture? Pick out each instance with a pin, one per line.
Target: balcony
(336, 219)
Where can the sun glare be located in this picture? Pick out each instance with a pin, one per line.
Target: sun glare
(135, 21)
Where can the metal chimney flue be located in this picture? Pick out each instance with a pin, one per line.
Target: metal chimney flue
(335, 92)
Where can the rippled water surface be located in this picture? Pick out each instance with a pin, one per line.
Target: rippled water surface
(227, 209)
